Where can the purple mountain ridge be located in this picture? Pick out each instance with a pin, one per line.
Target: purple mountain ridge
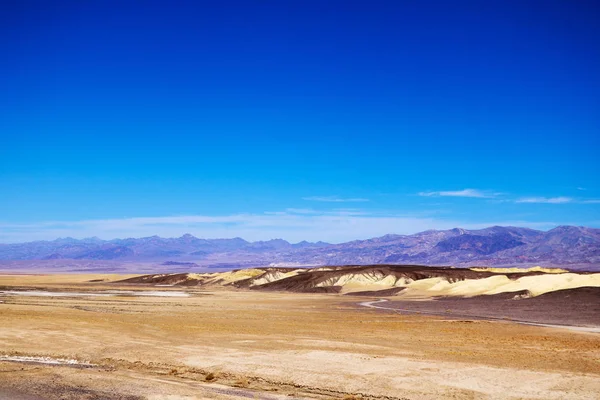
(502, 246)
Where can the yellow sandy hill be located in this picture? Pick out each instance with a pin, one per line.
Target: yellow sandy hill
(423, 283)
(536, 285)
(520, 270)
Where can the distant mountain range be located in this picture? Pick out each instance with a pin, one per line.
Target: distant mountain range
(561, 246)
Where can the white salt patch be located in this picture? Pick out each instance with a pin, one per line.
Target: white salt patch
(162, 294)
(107, 293)
(151, 293)
(45, 360)
(40, 293)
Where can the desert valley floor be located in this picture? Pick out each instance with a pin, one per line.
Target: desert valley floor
(94, 337)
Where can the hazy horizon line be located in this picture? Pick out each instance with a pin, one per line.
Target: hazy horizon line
(96, 237)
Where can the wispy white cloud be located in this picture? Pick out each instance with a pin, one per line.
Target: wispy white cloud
(310, 211)
(301, 211)
(498, 197)
(475, 193)
(581, 188)
(335, 199)
(557, 200)
(330, 226)
(545, 200)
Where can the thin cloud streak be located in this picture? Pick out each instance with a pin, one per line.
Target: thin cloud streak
(545, 200)
(493, 196)
(473, 193)
(335, 199)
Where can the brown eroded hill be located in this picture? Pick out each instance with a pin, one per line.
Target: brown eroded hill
(385, 280)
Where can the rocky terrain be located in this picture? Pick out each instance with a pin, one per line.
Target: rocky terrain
(570, 246)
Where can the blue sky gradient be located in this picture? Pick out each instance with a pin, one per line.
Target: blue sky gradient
(318, 120)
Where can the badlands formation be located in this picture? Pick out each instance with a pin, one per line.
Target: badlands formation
(404, 281)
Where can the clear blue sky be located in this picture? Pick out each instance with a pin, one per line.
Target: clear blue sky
(328, 120)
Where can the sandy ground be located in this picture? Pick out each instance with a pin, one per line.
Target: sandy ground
(247, 344)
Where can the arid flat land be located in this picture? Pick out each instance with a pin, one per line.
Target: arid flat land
(235, 343)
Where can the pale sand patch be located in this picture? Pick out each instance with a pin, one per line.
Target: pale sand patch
(520, 270)
(331, 344)
(538, 284)
(323, 269)
(361, 281)
(273, 276)
(233, 276)
(393, 375)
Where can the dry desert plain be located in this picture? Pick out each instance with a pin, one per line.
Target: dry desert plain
(231, 343)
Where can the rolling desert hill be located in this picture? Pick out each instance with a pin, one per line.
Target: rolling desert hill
(568, 246)
(405, 281)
